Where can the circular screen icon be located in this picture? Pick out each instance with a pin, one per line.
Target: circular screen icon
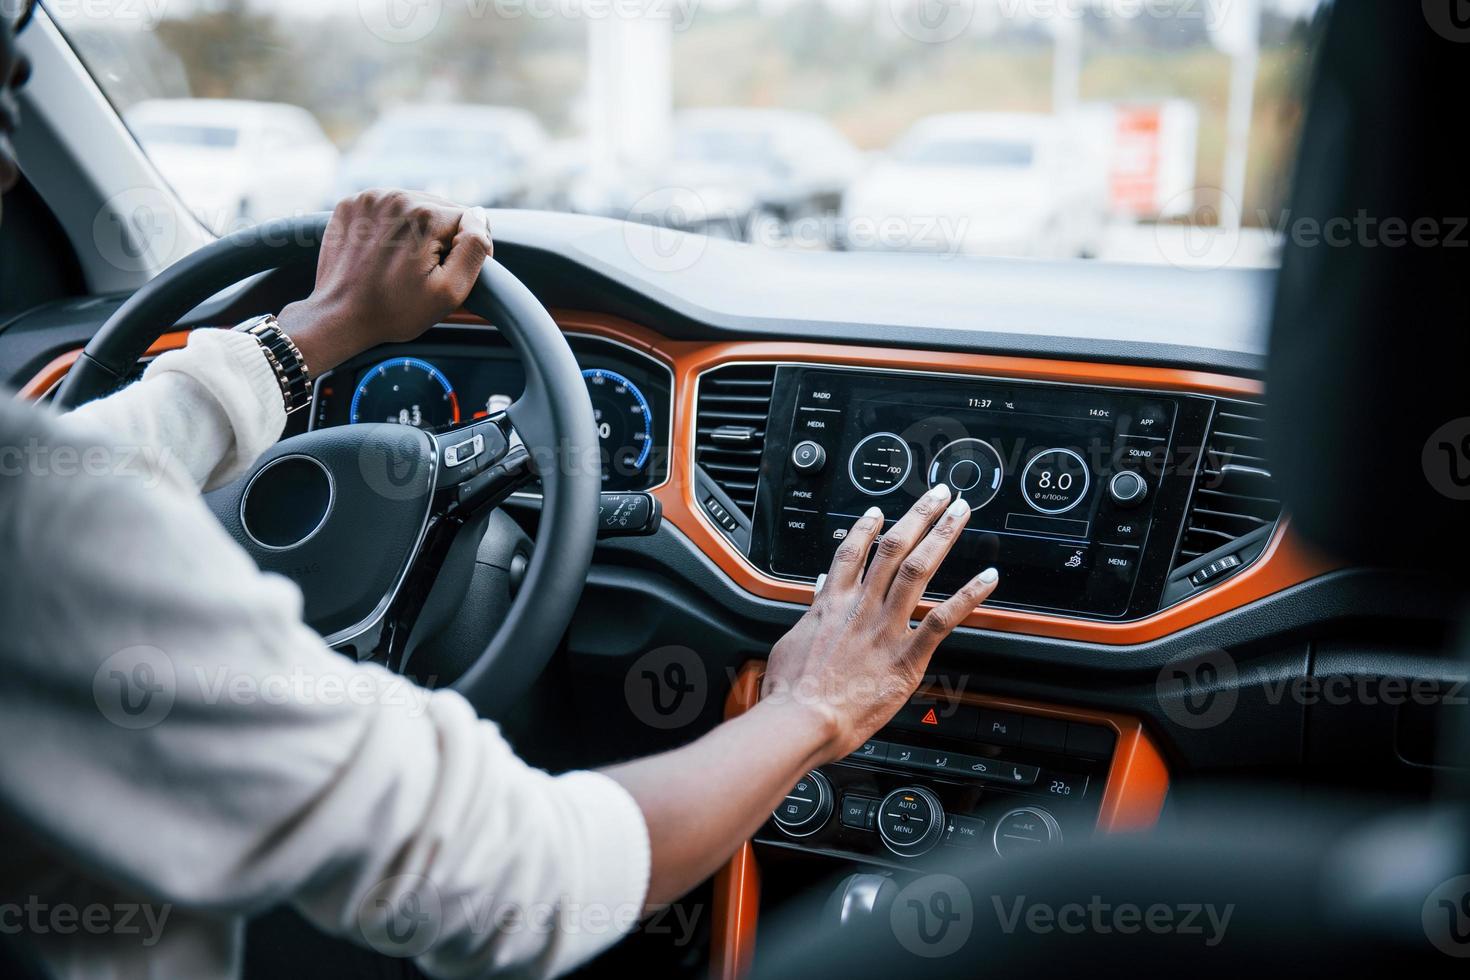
(971, 468)
(880, 463)
(1055, 481)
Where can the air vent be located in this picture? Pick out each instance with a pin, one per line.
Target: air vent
(1235, 494)
(730, 430)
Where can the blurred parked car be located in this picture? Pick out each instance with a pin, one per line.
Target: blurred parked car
(981, 183)
(740, 173)
(472, 154)
(235, 162)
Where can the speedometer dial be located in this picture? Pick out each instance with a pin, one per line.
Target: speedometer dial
(406, 390)
(624, 427)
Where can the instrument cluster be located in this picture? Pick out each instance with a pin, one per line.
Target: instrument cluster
(456, 375)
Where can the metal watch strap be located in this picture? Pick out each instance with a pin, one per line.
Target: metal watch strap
(285, 360)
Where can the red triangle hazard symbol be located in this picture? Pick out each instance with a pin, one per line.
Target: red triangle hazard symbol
(930, 718)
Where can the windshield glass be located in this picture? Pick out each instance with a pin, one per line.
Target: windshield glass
(155, 134)
(1050, 128)
(965, 153)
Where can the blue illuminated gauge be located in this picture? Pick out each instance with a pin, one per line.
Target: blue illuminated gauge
(624, 426)
(408, 391)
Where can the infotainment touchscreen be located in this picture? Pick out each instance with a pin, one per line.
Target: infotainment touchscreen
(1061, 480)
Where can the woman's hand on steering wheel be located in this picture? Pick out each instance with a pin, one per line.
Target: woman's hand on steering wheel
(853, 658)
(392, 265)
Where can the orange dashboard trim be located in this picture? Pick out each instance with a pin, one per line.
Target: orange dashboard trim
(737, 886)
(50, 376)
(1133, 798)
(1286, 561)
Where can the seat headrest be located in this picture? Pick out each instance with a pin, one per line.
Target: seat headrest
(1369, 371)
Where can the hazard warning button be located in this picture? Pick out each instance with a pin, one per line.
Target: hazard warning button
(938, 717)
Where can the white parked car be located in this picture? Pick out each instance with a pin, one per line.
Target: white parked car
(483, 155)
(980, 183)
(748, 173)
(235, 162)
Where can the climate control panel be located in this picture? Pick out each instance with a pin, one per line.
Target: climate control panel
(946, 777)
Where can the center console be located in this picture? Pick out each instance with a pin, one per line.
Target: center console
(956, 780)
(1078, 493)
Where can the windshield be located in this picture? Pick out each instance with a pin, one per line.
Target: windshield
(733, 148)
(966, 153)
(810, 124)
(158, 134)
(411, 139)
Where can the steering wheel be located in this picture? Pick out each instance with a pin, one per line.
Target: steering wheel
(370, 519)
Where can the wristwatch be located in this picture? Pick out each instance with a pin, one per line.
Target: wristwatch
(285, 360)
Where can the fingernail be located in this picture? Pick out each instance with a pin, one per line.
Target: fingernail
(958, 509)
(873, 514)
(989, 575)
(821, 581)
(940, 491)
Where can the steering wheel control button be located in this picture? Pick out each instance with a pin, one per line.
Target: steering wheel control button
(469, 451)
(1055, 481)
(1127, 488)
(910, 821)
(627, 515)
(964, 832)
(1024, 829)
(807, 807)
(287, 502)
(463, 452)
(808, 457)
(971, 468)
(880, 463)
(859, 812)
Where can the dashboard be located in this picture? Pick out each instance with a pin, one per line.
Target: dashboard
(468, 373)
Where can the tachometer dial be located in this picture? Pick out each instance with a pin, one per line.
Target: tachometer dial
(406, 390)
(624, 426)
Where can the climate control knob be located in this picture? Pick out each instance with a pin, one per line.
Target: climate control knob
(807, 807)
(1026, 828)
(910, 821)
(1127, 489)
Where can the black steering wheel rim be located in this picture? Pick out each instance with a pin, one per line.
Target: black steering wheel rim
(553, 417)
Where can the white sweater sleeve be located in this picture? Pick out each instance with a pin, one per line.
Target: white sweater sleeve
(201, 415)
(175, 730)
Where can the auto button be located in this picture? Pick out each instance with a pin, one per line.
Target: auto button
(910, 821)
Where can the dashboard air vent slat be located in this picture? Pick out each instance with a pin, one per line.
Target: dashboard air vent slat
(1236, 493)
(730, 431)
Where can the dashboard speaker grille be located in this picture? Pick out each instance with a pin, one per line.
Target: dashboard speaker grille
(730, 430)
(1236, 493)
